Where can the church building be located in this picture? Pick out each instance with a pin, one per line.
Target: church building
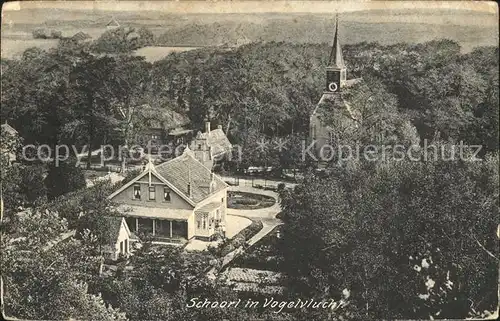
(333, 117)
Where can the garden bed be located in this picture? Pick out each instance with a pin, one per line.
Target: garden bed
(249, 201)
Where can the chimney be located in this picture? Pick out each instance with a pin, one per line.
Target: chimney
(212, 182)
(207, 127)
(189, 183)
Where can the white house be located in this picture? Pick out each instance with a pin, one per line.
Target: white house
(174, 201)
(118, 238)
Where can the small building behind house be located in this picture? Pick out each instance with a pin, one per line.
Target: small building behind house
(118, 238)
(112, 24)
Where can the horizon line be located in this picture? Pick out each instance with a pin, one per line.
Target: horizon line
(248, 7)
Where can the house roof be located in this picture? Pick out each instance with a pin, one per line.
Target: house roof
(155, 212)
(217, 140)
(113, 23)
(251, 280)
(180, 131)
(161, 118)
(81, 36)
(186, 169)
(180, 172)
(207, 208)
(114, 224)
(9, 129)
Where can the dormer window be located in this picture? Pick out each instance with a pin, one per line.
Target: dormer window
(137, 191)
(166, 194)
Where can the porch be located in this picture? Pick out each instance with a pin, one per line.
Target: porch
(162, 230)
(161, 224)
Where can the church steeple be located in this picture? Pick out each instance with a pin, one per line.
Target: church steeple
(336, 59)
(335, 71)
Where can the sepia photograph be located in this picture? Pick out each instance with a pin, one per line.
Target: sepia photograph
(249, 160)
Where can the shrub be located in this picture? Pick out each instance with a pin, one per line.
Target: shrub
(130, 175)
(42, 33)
(239, 239)
(63, 179)
(246, 201)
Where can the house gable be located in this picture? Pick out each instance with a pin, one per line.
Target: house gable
(124, 195)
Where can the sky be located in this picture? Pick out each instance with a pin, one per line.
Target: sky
(254, 6)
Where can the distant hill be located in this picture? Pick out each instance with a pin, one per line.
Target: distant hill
(307, 30)
(469, 28)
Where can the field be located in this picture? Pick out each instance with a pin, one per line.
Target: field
(175, 31)
(153, 54)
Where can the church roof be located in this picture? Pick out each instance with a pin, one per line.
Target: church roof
(336, 59)
(331, 101)
(9, 129)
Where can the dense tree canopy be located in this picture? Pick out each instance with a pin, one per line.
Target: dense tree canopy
(410, 239)
(266, 89)
(412, 232)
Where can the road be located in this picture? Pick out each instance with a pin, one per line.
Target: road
(266, 215)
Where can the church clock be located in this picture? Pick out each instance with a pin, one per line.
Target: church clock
(333, 81)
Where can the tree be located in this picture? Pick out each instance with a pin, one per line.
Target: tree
(93, 83)
(123, 40)
(379, 222)
(55, 288)
(64, 177)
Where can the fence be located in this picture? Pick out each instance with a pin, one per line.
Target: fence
(110, 167)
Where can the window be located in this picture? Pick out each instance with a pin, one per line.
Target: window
(222, 200)
(199, 146)
(198, 222)
(121, 248)
(137, 192)
(204, 219)
(166, 194)
(217, 214)
(332, 137)
(152, 193)
(126, 245)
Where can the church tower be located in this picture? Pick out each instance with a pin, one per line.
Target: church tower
(332, 121)
(336, 73)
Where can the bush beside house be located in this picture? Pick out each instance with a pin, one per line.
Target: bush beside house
(237, 241)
